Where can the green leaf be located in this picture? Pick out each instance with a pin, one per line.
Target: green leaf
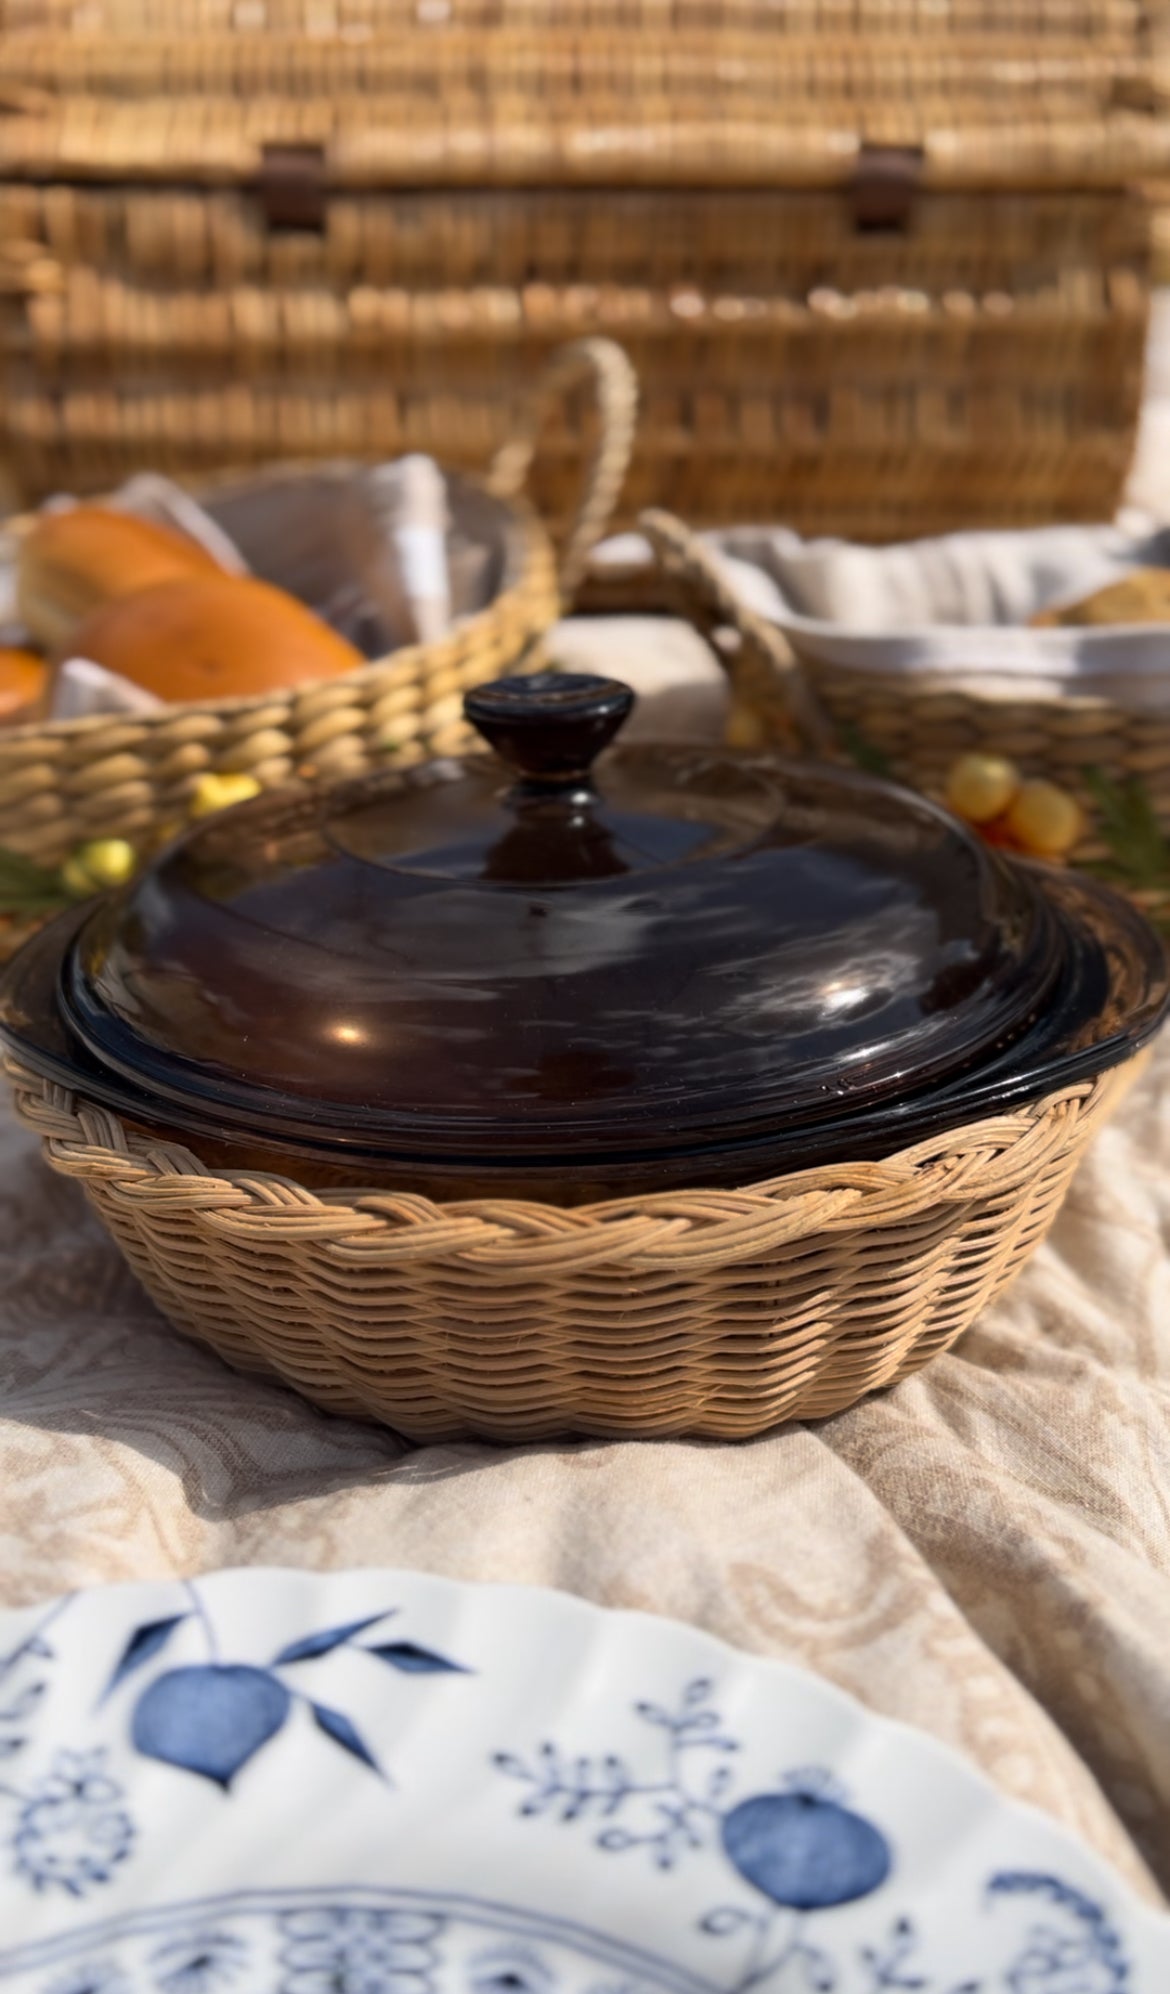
(1139, 849)
(868, 759)
(28, 888)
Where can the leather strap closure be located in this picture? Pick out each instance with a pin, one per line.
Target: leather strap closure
(291, 186)
(886, 181)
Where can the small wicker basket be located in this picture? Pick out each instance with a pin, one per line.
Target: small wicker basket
(715, 1313)
(911, 727)
(64, 782)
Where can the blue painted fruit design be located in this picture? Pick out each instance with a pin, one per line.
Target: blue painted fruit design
(804, 1850)
(210, 1719)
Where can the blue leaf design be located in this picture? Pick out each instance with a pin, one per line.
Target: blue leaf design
(210, 1719)
(342, 1732)
(719, 1782)
(727, 1919)
(326, 1641)
(24, 1705)
(415, 1661)
(144, 1643)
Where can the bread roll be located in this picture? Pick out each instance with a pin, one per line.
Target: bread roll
(69, 563)
(24, 681)
(216, 637)
(1142, 597)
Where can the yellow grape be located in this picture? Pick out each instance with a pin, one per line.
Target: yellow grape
(104, 862)
(981, 787)
(219, 792)
(1044, 819)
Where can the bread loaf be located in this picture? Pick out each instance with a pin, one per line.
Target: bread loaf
(71, 562)
(23, 685)
(1143, 597)
(213, 637)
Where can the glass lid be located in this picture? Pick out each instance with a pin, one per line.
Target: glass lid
(524, 955)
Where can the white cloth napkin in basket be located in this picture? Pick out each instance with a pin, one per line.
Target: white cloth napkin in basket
(953, 608)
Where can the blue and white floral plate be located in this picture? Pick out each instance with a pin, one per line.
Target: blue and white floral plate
(382, 1783)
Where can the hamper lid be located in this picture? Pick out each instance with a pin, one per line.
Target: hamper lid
(439, 93)
(518, 955)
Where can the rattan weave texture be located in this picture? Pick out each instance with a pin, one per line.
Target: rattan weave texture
(702, 1312)
(879, 265)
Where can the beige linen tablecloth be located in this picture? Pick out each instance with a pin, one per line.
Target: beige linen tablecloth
(984, 1551)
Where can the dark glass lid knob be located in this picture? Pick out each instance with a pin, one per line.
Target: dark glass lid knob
(551, 727)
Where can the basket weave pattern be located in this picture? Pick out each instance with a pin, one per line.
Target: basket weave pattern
(460, 218)
(1106, 24)
(920, 730)
(702, 1312)
(870, 408)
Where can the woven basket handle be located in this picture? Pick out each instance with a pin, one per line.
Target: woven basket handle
(708, 602)
(602, 366)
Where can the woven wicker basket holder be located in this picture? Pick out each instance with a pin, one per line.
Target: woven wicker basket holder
(715, 1313)
(62, 783)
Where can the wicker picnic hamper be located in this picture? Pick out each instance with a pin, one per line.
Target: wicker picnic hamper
(880, 273)
(709, 1311)
(65, 782)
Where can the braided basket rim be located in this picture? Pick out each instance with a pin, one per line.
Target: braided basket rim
(685, 1230)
